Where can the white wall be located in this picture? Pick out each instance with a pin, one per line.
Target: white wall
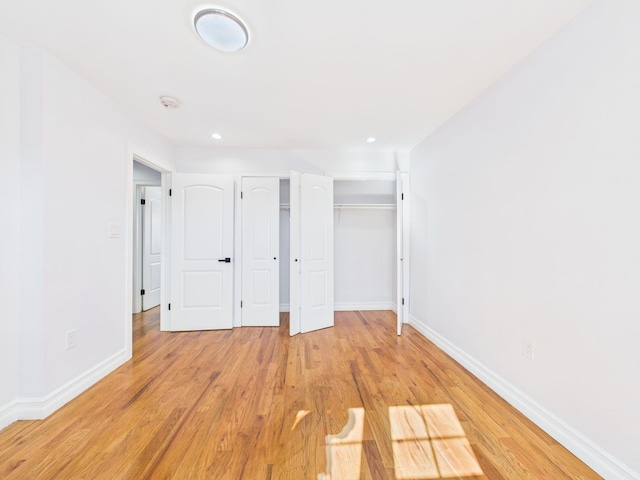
(9, 218)
(75, 176)
(525, 223)
(219, 160)
(86, 140)
(364, 259)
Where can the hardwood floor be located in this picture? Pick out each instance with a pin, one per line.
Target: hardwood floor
(253, 403)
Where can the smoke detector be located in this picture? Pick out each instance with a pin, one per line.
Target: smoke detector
(169, 102)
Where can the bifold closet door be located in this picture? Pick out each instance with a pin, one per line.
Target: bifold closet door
(399, 258)
(294, 252)
(402, 249)
(260, 250)
(312, 252)
(201, 293)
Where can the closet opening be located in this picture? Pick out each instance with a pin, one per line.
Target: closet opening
(367, 242)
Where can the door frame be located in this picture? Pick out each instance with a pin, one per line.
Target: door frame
(336, 175)
(137, 242)
(165, 169)
(134, 153)
(391, 177)
(237, 238)
(243, 207)
(176, 181)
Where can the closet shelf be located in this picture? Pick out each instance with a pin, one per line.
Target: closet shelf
(362, 206)
(380, 206)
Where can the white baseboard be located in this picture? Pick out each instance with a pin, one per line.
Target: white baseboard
(352, 307)
(583, 448)
(9, 413)
(284, 307)
(40, 408)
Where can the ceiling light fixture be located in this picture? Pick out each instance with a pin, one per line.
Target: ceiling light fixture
(371, 140)
(216, 136)
(221, 30)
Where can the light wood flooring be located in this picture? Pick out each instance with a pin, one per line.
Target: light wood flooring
(350, 402)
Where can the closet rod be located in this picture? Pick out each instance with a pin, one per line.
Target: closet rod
(341, 206)
(379, 206)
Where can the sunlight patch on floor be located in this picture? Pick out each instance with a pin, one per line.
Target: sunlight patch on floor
(344, 450)
(428, 442)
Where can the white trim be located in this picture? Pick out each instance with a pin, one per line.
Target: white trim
(149, 160)
(136, 154)
(237, 250)
(9, 413)
(352, 307)
(593, 455)
(165, 253)
(40, 408)
(282, 175)
(285, 307)
(362, 175)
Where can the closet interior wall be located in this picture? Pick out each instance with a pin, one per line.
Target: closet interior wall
(364, 244)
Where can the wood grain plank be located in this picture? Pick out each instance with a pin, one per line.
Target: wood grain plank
(255, 403)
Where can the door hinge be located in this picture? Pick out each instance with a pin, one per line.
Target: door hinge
(142, 292)
(142, 202)
(169, 306)
(403, 301)
(240, 303)
(402, 196)
(241, 195)
(169, 192)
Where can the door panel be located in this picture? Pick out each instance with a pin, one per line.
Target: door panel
(201, 240)
(294, 253)
(316, 246)
(399, 259)
(151, 243)
(260, 250)
(406, 245)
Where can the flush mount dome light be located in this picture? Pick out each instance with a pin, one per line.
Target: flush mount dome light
(221, 30)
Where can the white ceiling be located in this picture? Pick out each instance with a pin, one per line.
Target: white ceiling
(315, 75)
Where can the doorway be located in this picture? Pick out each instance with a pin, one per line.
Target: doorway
(147, 237)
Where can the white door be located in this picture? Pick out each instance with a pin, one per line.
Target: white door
(151, 242)
(403, 237)
(399, 258)
(316, 252)
(294, 253)
(260, 249)
(406, 243)
(201, 252)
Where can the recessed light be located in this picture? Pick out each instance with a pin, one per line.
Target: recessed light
(216, 136)
(371, 140)
(221, 30)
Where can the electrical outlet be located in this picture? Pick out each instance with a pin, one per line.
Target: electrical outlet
(71, 339)
(527, 347)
